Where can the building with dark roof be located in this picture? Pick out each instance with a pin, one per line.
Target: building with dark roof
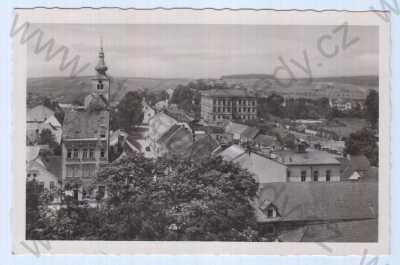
(339, 212)
(85, 141)
(310, 165)
(220, 104)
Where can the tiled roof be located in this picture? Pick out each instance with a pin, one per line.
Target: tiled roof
(202, 148)
(264, 170)
(177, 139)
(228, 93)
(350, 231)
(178, 114)
(250, 132)
(232, 152)
(236, 128)
(39, 113)
(310, 157)
(265, 140)
(85, 124)
(319, 201)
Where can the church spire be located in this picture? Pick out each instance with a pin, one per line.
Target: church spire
(101, 67)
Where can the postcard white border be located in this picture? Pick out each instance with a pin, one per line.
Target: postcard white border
(190, 16)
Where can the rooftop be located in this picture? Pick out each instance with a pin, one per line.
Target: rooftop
(319, 201)
(202, 148)
(39, 113)
(228, 93)
(310, 157)
(266, 140)
(232, 152)
(85, 124)
(264, 169)
(250, 132)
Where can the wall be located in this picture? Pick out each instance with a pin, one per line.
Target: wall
(295, 172)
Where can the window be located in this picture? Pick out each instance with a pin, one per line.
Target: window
(76, 153)
(91, 153)
(316, 173)
(41, 186)
(52, 185)
(85, 154)
(328, 175)
(288, 174)
(303, 175)
(69, 153)
(102, 153)
(100, 85)
(270, 212)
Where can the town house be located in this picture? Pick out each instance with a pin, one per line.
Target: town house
(85, 141)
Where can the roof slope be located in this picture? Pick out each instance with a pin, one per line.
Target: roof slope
(39, 113)
(202, 148)
(250, 132)
(232, 152)
(263, 169)
(85, 124)
(311, 157)
(319, 201)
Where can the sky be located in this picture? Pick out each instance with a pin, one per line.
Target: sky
(208, 51)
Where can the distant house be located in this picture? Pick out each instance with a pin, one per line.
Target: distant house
(46, 171)
(264, 170)
(310, 166)
(148, 112)
(202, 148)
(175, 141)
(241, 133)
(341, 104)
(266, 142)
(166, 127)
(39, 114)
(40, 118)
(306, 212)
(161, 105)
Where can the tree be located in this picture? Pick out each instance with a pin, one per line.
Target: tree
(372, 108)
(363, 142)
(129, 112)
(270, 105)
(174, 199)
(47, 137)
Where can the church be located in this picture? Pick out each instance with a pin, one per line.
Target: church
(85, 140)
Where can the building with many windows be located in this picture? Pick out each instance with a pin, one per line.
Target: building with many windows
(85, 140)
(228, 104)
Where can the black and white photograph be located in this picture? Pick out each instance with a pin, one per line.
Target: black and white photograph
(205, 132)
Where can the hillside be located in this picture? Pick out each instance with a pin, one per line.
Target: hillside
(67, 90)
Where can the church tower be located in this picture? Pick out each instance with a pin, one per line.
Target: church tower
(101, 82)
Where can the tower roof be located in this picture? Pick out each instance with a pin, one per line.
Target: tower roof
(101, 67)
